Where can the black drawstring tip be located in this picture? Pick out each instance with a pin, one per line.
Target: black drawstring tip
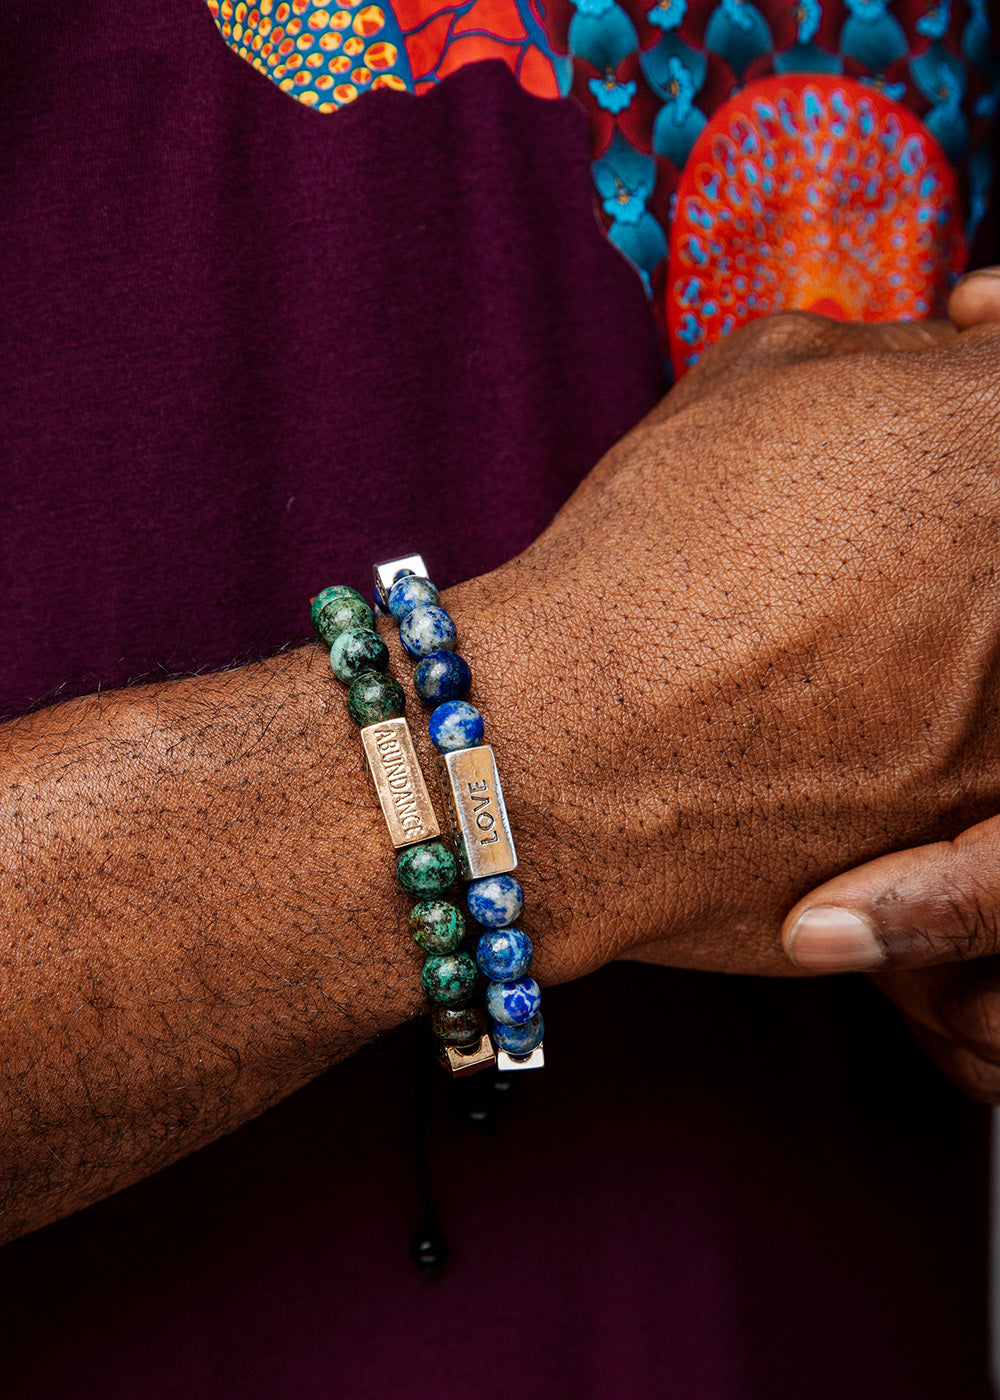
(429, 1250)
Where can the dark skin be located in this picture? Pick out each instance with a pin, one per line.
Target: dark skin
(939, 903)
(728, 670)
(199, 921)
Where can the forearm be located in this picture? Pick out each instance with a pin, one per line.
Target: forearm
(198, 915)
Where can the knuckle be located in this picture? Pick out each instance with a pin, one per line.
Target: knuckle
(970, 1010)
(760, 344)
(967, 912)
(978, 1078)
(979, 1032)
(787, 333)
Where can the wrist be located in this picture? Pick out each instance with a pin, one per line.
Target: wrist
(331, 884)
(600, 883)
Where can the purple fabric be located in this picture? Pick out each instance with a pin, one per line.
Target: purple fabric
(249, 349)
(735, 1191)
(253, 348)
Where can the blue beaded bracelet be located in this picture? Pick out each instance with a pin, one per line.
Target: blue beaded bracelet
(425, 867)
(474, 799)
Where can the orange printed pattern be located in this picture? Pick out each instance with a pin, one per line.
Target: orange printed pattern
(810, 192)
(325, 56)
(748, 155)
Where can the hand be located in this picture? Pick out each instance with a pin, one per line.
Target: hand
(938, 903)
(757, 646)
(930, 921)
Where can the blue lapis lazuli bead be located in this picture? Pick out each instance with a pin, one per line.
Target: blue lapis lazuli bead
(455, 725)
(443, 675)
(411, 592)
(519, 1040)
(513, 1003)
(495, 900)
(427, 629)
(504, 954)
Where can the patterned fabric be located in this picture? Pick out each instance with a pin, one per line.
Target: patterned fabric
(817, 194)
(864, 111)
(327, 57)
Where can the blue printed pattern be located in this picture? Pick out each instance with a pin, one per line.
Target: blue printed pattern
(665, 70)
(651, 76)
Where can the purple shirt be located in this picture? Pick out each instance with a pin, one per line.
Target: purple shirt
(249, 351)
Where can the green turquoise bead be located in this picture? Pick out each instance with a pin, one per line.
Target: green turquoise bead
(427, 870)
(344, 614)
(437, 926)
(373, 698)
(354, 653)
(328, 595)
(458, 1025)
(449, 980)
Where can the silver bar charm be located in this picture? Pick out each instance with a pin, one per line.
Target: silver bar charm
(399, 782)
(475, 804)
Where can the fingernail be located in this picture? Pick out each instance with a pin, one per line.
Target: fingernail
(827, 939)
(980, 272)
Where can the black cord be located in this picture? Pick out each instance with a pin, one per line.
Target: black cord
(428, 1245)
(479, 1100)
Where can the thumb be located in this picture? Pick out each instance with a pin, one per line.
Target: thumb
(934, 904)
(975, 300)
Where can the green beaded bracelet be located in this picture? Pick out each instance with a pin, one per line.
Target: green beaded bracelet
(425, 868)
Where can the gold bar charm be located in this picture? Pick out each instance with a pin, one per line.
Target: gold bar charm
(399, 782)
(461, 1060)
(475, 803)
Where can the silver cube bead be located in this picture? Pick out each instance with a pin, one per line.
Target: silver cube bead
(536, 1060)
(385, 576)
